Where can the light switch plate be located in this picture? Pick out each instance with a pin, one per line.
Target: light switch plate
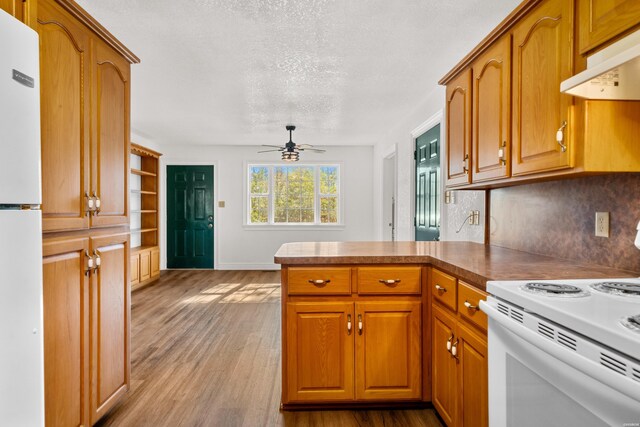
(221, 204)
(602, 224)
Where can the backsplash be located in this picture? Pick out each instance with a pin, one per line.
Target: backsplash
(558, 218)
(454, 219)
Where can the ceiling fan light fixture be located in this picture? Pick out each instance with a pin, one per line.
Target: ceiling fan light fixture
(290, 156)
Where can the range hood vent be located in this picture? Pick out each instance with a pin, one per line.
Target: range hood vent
(613, 73)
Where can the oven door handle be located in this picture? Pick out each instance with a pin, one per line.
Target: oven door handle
(623, 384)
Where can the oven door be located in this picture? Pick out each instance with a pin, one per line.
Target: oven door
(529, 387)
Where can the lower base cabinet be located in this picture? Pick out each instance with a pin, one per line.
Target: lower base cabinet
(145, 266)
(86, 312)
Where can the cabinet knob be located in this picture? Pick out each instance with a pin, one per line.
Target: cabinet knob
(454, 349)
(319, 282)
(465, 164)
(441, 289)
(360, 326)
(449, 341)
(348, 324)
(389, 281)
(502, 153)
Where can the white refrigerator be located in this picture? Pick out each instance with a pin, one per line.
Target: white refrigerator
(21, 340)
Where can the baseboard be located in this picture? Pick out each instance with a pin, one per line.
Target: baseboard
(243, 266)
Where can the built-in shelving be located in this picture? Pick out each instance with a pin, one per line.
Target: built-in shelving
(144, 205)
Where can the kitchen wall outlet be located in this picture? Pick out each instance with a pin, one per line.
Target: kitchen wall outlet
(602, 224)
(471, 215)
(449, 197)
(474, 217)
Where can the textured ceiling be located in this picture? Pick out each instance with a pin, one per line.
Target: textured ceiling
(237, 71)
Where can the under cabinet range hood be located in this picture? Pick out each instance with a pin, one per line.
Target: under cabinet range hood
(613, 73)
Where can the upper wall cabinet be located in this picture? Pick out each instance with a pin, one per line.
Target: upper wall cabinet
(492, 112)
(85, 124)
(23, 10)
(459, 129)
(542, 59)
(602, 20)
(523, 128)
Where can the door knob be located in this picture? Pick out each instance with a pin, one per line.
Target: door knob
(210, 217)
(210, 225)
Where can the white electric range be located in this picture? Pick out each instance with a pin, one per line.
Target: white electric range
(564, 352)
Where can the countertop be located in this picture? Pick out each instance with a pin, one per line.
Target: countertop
(472, 262)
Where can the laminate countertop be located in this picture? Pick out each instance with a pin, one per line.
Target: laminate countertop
(471, 262)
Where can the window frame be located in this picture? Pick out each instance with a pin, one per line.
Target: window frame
(271, 225)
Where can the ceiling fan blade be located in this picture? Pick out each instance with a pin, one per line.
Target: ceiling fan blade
(268, 151)
(269, 145)
(304, 145)
(317, 150)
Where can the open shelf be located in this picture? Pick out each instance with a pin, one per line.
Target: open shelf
(142, 248)
(142, 173)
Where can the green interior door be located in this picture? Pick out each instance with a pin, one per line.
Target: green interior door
(189, 216)
(427, 154)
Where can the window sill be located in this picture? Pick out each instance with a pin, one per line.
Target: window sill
(293, 227)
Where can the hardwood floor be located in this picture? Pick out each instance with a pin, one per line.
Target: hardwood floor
(206, 352)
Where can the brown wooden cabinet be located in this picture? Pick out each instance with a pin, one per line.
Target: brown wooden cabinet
(320, 360)
(86, 327)
(603, 20)
(459, 354)
(458, 109)
(542, 59)
(66, 302)
(492, 112)
(358, 341)
(23, 10)
(110, 323)
(84, 73)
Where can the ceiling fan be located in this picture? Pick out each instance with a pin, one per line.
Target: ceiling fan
(291, 150)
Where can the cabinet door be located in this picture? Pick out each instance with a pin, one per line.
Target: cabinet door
(155, 262)
(145, 265)
(459, 129)
(602, 20)
(472, 379)
(110, 170)
(388, 350)
(444, 365)
(64, 105)
(110, 323)
(492, 112)
(14, 8)
(542, 59)
(135, 268)
(320, 351)
(66, 332)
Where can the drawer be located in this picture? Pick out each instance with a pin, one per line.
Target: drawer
(443, 288)
(389, 280)
(319, 280)
(471, 296)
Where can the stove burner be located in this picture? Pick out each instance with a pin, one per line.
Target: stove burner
(631, 322)
(618, 288)
(555, 289)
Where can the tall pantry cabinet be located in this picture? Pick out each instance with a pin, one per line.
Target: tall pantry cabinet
(85, 87)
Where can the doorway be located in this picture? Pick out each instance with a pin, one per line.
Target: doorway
(190, 216)
(427, 155)
(389, 197)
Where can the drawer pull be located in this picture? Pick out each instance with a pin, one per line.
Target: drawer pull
(449, 343)
(440, 288)
(390, 281)
(348, 324)
(359, 324)
(319, 282)
(470, 307)
(454, 349)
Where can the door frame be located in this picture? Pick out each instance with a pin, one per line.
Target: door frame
(390, 154)
(435, 119)
(163, 205)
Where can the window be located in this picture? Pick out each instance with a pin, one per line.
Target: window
(300, 194)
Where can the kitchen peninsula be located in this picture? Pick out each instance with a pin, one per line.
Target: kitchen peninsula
(397, 323)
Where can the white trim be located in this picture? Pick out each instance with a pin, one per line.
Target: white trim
(427, 124)
(340, 225)
(243, 266)
(164, 162)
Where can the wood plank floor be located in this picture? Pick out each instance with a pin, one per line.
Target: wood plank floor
(206, 352)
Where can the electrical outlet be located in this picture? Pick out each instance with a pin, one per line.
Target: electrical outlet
(471, 217)
(602, 224)
(476, 217)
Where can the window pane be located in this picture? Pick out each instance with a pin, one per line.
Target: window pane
(328, 180)
(259, 210)
(294, 190)
(328, 210)
(259, 180)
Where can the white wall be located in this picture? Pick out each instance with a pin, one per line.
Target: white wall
(451, 215)
(238, 246)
